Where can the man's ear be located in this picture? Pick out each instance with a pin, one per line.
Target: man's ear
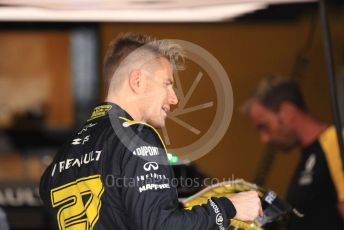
(287, 111)
(136, 81)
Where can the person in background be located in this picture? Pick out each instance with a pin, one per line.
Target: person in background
(279, 113)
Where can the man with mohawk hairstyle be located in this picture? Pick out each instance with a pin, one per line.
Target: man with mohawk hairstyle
(129, 185)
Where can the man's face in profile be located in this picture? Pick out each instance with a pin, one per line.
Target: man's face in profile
(160, 95)
(272, 128)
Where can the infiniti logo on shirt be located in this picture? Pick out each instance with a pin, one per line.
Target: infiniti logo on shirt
(150, 165)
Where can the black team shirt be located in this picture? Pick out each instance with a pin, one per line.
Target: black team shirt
(318, 185)
(113, 174)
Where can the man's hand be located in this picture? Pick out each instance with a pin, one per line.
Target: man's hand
(247, 205)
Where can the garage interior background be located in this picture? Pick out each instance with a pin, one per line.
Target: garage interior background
(45, 93)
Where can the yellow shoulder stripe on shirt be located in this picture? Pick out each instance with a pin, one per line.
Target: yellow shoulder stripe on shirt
(132, 122)
(329, 143)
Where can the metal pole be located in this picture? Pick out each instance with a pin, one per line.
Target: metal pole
(331, 75)
(84, 60)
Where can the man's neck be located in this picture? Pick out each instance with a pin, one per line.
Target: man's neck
(122, 102)
(308, 129)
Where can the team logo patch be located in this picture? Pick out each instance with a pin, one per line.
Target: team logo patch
(100, 111)
(79, 141)
(307, 174)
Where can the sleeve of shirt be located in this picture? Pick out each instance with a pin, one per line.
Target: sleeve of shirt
(151, 199)
(329, 143)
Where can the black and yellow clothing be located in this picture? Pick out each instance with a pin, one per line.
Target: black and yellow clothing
(113, 174)
(318, 185)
